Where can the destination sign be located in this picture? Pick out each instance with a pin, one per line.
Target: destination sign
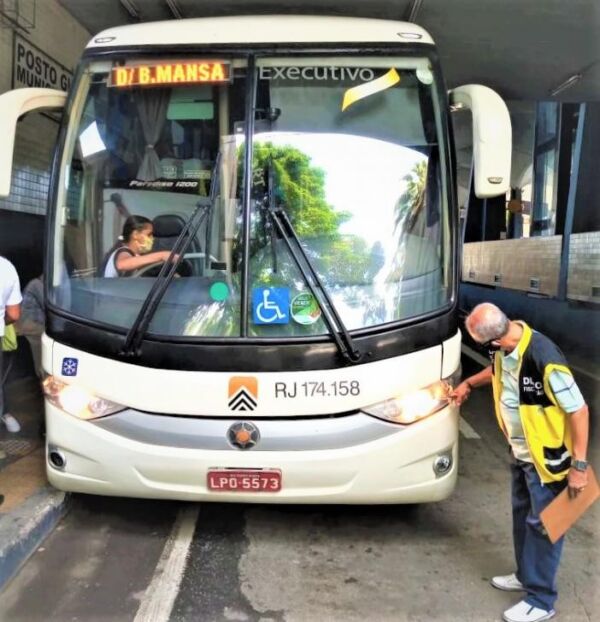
(189, 72)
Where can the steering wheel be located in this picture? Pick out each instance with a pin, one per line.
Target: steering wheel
(152, 269)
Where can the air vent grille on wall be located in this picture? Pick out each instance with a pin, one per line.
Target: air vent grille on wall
(17, 14)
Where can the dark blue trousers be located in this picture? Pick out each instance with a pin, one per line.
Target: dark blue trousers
(3, 375)
(537, 558)
(6, 359)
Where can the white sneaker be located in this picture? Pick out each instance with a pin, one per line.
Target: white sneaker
(12, 425)
(524, 612)
(508, 583)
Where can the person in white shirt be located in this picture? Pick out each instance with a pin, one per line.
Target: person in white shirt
(10, 311)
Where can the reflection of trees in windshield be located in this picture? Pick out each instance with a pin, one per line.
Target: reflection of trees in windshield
(410, 225)
(410, 204)
(415, 272)
(299, 188)
(218, 319)
(342, 261)
(367, 287)
(214, 320)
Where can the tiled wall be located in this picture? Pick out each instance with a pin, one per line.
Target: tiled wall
(63, 39)
(527, 264)
(584, 267)
(34, 146)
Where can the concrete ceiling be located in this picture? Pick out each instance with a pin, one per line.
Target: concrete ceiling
(522, 48)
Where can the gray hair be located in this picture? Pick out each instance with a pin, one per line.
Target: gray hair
(487, 322)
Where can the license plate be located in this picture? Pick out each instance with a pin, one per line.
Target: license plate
(244, 480)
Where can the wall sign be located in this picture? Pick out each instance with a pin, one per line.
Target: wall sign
(33, 67)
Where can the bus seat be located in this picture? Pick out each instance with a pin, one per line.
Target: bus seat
(167, 228)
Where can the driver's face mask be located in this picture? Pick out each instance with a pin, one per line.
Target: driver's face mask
(146, 244)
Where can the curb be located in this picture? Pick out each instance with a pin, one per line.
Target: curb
(23, 529)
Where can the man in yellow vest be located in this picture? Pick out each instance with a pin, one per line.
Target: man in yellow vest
(545, 419)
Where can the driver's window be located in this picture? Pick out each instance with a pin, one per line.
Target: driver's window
(138, 164)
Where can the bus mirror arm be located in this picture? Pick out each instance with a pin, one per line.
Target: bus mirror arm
(14, 104)
(492, 137)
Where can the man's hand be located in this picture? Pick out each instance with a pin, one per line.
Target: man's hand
(577, 482)
(461, 393)
(12, 313)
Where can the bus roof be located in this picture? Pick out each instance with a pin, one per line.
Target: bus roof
(253, 29)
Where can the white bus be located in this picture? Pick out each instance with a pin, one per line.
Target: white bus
(296, 339)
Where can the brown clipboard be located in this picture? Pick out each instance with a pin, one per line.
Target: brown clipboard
(559, 515)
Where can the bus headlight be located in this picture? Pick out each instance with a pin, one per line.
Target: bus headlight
(78, 401)
(413, 406)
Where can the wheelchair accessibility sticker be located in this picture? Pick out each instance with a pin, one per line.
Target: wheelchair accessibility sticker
(271, 305)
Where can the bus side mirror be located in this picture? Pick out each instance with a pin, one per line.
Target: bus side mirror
(492, 137)
(13, 105)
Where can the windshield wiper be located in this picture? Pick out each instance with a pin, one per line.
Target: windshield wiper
(169, 268)
(281, 223)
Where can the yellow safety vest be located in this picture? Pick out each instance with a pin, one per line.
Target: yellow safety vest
(545, 424)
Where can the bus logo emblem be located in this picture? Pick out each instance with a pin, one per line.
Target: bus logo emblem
(243, 435)
(243, 393)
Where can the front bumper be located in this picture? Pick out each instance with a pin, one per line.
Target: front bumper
(396, 467)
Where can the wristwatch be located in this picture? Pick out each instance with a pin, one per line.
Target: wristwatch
(579, 465)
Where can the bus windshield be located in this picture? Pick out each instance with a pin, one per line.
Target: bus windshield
(348, 149)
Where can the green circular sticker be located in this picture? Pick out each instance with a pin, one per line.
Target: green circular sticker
(305, 309)
(219, 291)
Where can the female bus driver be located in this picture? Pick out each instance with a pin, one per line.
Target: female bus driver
(133, 249)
